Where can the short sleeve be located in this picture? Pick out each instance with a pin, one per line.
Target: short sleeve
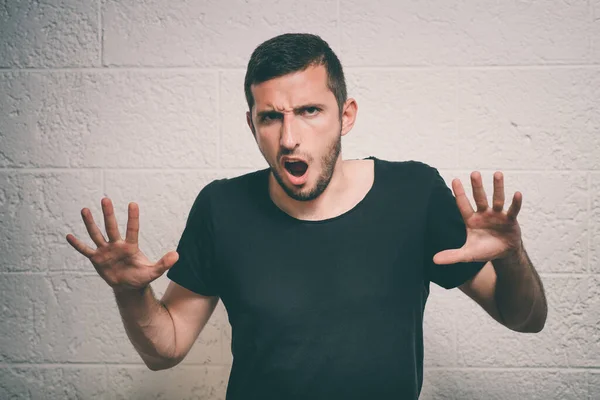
(446, 230)
(195, 268)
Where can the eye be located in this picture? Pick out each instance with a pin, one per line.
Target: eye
(269, 117)
(311, 110)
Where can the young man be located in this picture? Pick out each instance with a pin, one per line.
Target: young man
(323, 264)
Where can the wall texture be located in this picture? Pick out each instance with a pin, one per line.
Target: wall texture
(143, 101)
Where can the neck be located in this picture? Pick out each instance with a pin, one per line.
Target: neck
(318, 208)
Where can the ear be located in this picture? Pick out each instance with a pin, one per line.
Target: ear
(250, 124)
(349, 115)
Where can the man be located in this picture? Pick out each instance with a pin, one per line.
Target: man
(323, 264)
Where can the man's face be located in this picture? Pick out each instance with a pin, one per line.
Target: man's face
(297, 127)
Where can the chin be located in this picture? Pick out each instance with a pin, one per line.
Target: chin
(308, 191)
(303, 194)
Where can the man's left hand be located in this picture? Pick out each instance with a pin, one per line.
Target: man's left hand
(491, 232)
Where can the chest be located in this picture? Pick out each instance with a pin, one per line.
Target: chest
(315, 272)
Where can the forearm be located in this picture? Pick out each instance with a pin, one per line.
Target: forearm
(519, 293)
(149, 327)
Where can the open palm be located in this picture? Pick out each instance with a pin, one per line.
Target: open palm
(491, 232)
(120, 262)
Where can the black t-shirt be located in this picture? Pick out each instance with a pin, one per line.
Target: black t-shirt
(324, 309)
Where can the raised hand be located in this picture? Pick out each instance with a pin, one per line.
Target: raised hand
(491, 232)
(120, 262)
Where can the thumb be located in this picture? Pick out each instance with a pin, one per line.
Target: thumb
(167, 261)
(446, 257)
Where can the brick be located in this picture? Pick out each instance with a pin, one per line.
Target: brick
(208, 33)
(385, 33)
(504, 384)
(38, 210)
(201, 382)
(569, 338)
(61, 33)
(82, 328)
(400, 115)
(439, 327)
(595, 36)
(554, 223)
(81, 322)
(594, 384)
(238, 147)
(595, 223)
(19, 334)
(53, 382)
(125, 119)
(530, 119)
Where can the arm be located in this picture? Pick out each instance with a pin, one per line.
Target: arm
(511, 292)
(148, 325)
(519, 293)
(507, 287)
(164, 331)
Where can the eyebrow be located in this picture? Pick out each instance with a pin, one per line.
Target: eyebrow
(271, 111)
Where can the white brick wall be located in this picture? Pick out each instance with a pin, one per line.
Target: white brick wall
(143, 101)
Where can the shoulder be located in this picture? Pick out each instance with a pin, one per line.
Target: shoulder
(411, 170)
(237, 185)
(226, 192)
(405, 184)
(404, 164)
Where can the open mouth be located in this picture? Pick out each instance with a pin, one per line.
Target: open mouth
(296, 168)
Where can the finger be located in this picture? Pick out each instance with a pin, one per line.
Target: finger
(133, 224)
(80, 246)
(95, 233)
(515, 206)
(464, 205)
(110, 222)
(498, 198)
(478, 191)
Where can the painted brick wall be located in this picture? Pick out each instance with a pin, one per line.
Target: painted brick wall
(143, 101)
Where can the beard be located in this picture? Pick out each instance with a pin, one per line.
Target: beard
(328, 161)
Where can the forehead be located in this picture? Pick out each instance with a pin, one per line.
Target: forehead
(293, 89)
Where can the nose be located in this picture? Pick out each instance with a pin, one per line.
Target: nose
(289, 135)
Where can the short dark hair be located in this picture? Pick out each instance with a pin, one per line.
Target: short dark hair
(292, 52)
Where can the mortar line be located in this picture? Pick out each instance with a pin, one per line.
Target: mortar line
(219, 124)
(100, 365)
(100, 33)
(125, 169)
(457, 159)
(339, 26)
(515, 369)
(444, 67)
(458, 154)
(88, 364)
(383, 68)
(589, 223)
(76, 272)
(591, 41)
(251, 169)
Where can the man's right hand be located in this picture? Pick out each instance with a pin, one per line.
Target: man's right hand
(120, 262)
